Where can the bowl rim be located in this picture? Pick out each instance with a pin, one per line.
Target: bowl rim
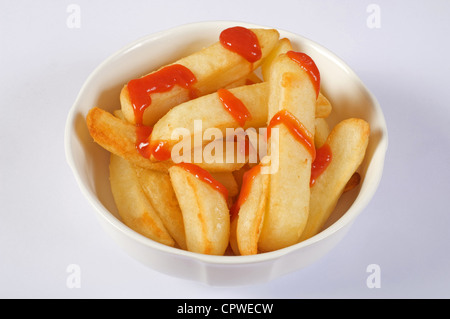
(104, 213)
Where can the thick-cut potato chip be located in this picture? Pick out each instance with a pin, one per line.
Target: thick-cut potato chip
(214, 67)
(348, 142)
(119, 114)
(158, 188)
(205, 213)
(288, 205)
(227, 179)
(252, 78)
(322, 130)
(119, 137)
(323, 105)
(209, 112)
(133, 205)
(284, 45)
(250, 217)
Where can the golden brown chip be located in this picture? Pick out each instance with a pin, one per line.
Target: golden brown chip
(288, 204)
(250, 216)
(159, 191)
(322, 130)
(205, 213)
(133, 205)
(348, 142)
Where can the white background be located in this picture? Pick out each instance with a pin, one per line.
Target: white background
(46, 224)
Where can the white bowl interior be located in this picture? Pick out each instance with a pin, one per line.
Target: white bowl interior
(348, 95)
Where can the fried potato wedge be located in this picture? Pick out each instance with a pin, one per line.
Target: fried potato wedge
(252, 78)
(133, 205)
(211, 112)
(250, 217)
(159, 191)
(348, 142)
(322, 130)
(214, 67)
(227, 179)
(119, 114)
(205, 213)
(289, 192)
(119, 137)
(323, 105)
(283, 45)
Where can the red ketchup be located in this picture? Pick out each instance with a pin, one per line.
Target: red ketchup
(205, 176)
(234, 106)
(161, 150)
(307, 64)
(142, 140)
(320, 164)
(140, 91)
(242, 41)
(296, 128)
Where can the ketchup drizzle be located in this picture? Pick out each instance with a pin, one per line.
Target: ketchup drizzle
(160, 81)
(142, 139)
(307, 64)
(160, 150)
(234, 106)
(242, 41)
(295, 127)
(205, 176)
(320, 164)
(140, 91)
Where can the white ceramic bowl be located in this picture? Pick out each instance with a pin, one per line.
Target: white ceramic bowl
(89, 162)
